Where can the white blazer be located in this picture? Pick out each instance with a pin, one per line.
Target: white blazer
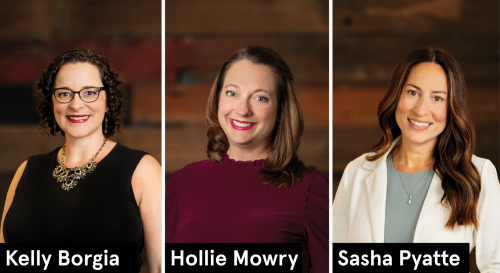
(359, 210)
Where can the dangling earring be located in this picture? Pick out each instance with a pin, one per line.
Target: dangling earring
(55, 123)
(105, 125)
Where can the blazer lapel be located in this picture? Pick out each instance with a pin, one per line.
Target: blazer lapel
(430, 209)
(376, 184)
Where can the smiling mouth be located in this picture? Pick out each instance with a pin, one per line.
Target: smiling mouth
(78, 117)
(421, 124)
(241, 125)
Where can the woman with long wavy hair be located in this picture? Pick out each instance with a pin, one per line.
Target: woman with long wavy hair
(421, 182)
(252, 188)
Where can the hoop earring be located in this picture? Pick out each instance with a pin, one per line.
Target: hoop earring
(105, 125)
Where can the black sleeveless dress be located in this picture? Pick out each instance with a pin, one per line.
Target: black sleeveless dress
(100, 209)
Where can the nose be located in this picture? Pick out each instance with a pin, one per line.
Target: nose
(244, 108)
(77, 101)
(421, 107)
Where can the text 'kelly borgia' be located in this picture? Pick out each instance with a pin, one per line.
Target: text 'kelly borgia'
(208, 258)
(36, 258)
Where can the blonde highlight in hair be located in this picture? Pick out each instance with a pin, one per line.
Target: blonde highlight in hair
(283, 167)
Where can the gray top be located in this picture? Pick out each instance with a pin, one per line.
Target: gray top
(400, 217)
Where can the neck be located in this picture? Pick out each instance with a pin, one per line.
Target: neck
(242, 153)
(80, 150)
(414, 157)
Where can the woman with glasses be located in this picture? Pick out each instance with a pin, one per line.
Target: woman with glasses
(252, 188)
(422, 183)
(92, 190)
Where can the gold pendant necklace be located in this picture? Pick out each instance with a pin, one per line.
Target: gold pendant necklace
(68, 177)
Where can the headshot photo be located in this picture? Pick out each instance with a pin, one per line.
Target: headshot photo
(251, 188)
(246, 125)
(81, 126)
(371, 42)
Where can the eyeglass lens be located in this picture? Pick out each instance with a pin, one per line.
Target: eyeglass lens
(87, 95)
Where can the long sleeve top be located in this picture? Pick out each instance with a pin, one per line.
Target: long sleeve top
(360, 204)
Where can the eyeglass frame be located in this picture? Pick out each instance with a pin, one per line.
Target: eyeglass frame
(78, 92)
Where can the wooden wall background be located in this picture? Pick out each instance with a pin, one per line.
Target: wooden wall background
(370, 37)
(202, 35)
(33, 32)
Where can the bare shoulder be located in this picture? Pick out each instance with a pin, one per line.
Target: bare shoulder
(147, 168)
(146, 179)
(10, 195)
(17, 177)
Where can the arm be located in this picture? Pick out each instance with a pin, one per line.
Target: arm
(173, 188)
(316, 223)
(10, 195)
(487, 236)
(340, 210)
(146, 183)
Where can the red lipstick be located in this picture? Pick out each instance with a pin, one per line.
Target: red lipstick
(77, 118)
(238, 127)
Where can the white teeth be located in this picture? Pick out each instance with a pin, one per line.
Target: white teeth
(78, 118)
(419, 123)
(241, 124)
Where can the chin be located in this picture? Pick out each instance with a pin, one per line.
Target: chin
(78, 133)
(239, 141)
(419, 139)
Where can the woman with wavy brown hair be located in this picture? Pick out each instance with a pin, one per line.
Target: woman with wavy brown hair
(421, 182)
(92, 189)
(252, 188)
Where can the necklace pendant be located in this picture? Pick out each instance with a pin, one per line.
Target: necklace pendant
(69, 177)
(409, 201)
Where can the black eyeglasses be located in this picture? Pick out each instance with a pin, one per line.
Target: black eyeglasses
(88, 94)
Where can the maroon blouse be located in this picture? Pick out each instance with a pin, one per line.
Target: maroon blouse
(228, 202)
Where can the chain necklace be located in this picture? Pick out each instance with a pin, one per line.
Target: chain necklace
(409, 195)
(68, 176)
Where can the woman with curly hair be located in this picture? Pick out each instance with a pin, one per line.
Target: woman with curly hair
(252, 188)
(422, 183)
(92, 190)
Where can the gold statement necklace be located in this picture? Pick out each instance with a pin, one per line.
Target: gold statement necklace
(68, 177)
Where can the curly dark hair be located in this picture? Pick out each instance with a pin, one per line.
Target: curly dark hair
(112, 87)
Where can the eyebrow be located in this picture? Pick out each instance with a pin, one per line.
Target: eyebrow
(255, 91)
(64, 87)
(419, 89)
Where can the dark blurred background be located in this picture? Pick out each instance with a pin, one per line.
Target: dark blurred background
(201, 35)
(33, 32)
(370, 37)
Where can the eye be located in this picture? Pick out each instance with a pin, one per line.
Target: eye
(261, 98)
(412, 92)
(90, 93)
(230, 93)
(438, 99)
(63, 94)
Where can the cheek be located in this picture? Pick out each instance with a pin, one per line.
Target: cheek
(268, 114)
(224, 108)
(401, 110)
(440, 115)
(57, 108)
